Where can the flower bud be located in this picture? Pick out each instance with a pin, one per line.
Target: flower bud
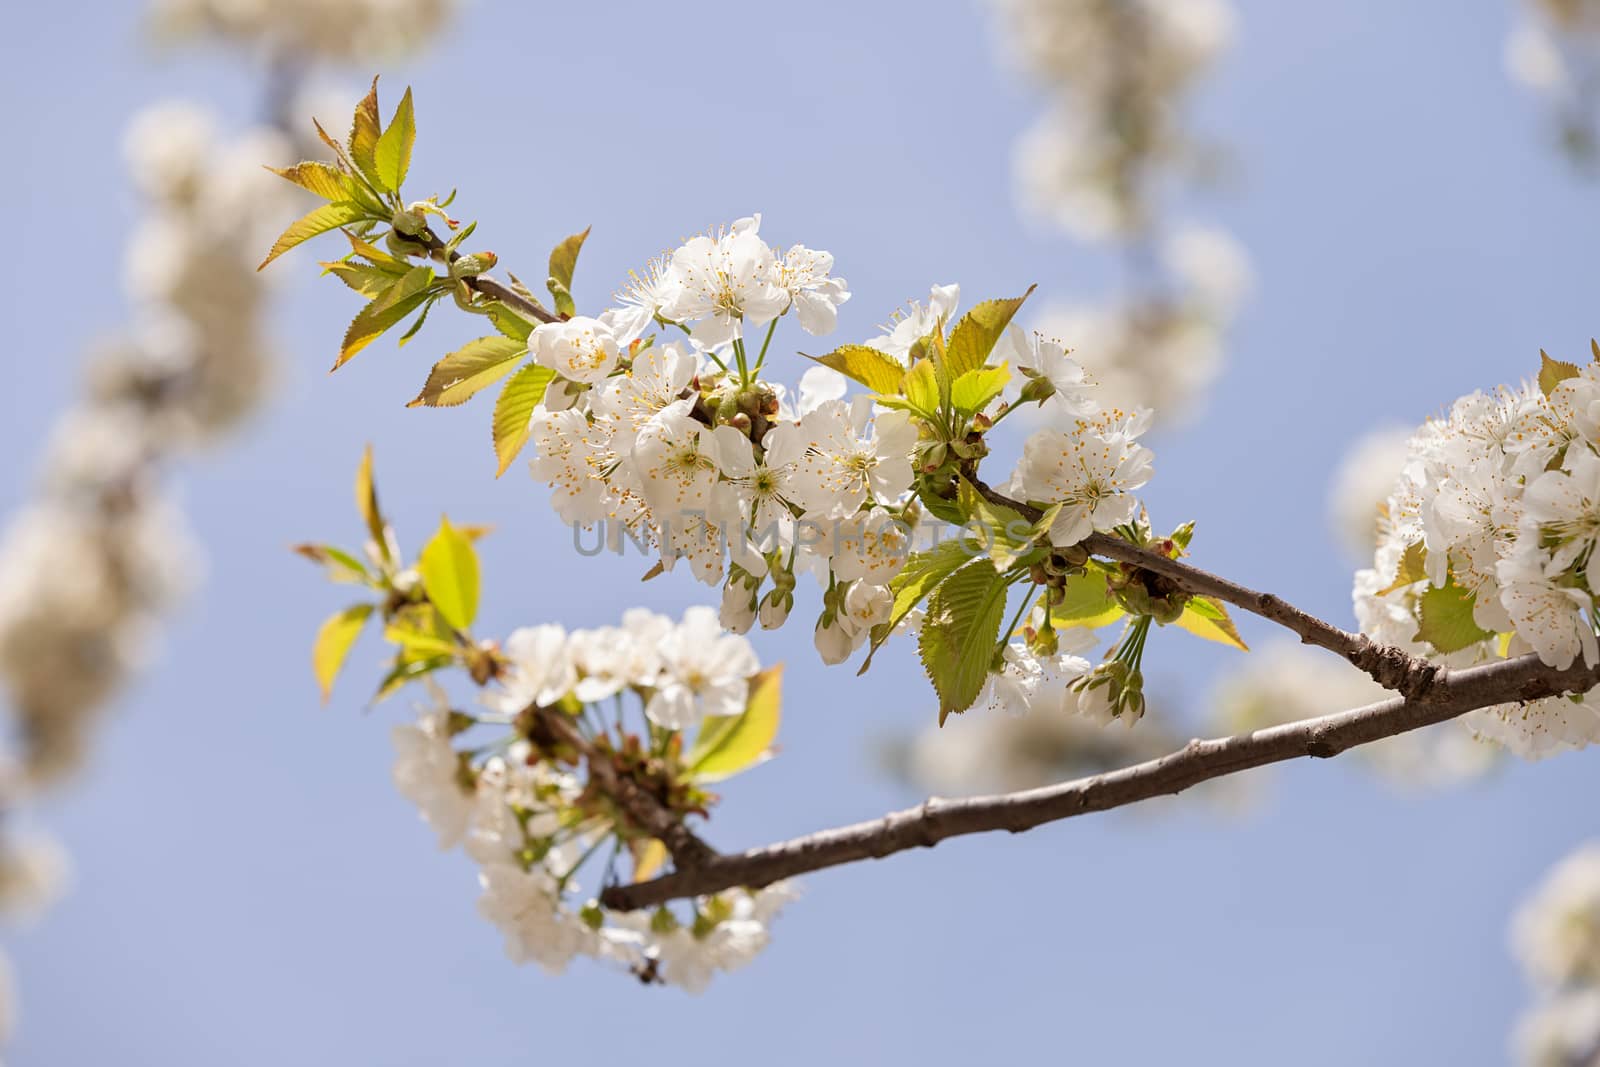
(833, 642)
(474, 264)
(775, 608)
(738, 607)
(409, 221)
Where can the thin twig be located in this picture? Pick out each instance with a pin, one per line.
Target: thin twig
(1452, 694)
(1390, 667)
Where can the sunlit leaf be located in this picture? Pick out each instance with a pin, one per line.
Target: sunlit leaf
(475, 366)
(975, 335)
(1413, 568)
(367, 504)
(333, 643)
(449, 566)
(365, 130)
(1552, 372)
(392, 154)
(971, 392)
(563, 263)
(386, 311)
(728, 744)
(958, 636)
(876, 370)
(325, 218)
(1444, 619)
(1208, 618)
(513, 409)
(1088, 602)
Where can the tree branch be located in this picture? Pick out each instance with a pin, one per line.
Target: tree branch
(1453, 693)
(1390, 667)
(482, 283)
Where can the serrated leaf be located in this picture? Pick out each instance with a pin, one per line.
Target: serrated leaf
(1444, 619)
(563, 263)
(728, 744)
(325, 218)
(876, 370)
(417, 324)
(972, 391)
(1552, 372)
(1088, 602)
(369, 281)
(509, 323)
(386, 311)
(322, 179)
(367, 504)
(449, 568)
(1413, 568)
(959, 634)
(921, 573)
(333, 643)
(393, 265)
(975, 335)
(365, 130)
(392, 154)
(473, 367)
(1208, 618)
(513, 408)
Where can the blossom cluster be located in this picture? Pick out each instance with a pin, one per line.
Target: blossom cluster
(682, 446)
(1556, 936)
(342, 30)
(1554, 50)
(1096, 165)
(1485, 544)
(520, 809)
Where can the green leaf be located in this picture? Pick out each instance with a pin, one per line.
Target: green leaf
(323, 179)
(376, 256)
(369, 281)
(1552, 372)
(1413, 568)
(365, 131)
(392, 153)
(922, 572)
(325, 218)
(959, 635)
(473, 367)
(342, 566)
(1444, 618)
(333, 643)
(1088, 602)
(972, 391)
(449, 566)
(1208, 618)
(408, 670)
(563, 262)
(509, 323)
(421, 631)
(728, 744)
(367, 504)
(975, 335)
(514, 408)
(1007, 534)
(416, 324)
(921, 385)
(386, 311)
(876, 370)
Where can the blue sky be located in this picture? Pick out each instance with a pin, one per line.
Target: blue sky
(250, 889)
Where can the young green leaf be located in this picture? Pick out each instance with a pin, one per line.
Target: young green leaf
(1413, 568)
(979, 329)
(563, 262)
(473, 367)
(367, 504)
(421, 631)
(1444, 619)
(333, 643)
(408, 670)
(876, 370)
(1207, 618)
(921, 385)
(365, 129)
(323, 179)
(391, 156)
(325, 218)
(971, 392)
(728, 744)
(449, 567)
(342, 566)
(1552, 372)
(386, 311)
(370, 282)
(958, 637)
(514, 408)
(1088, 602)
(922, 572)
(509, 323)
